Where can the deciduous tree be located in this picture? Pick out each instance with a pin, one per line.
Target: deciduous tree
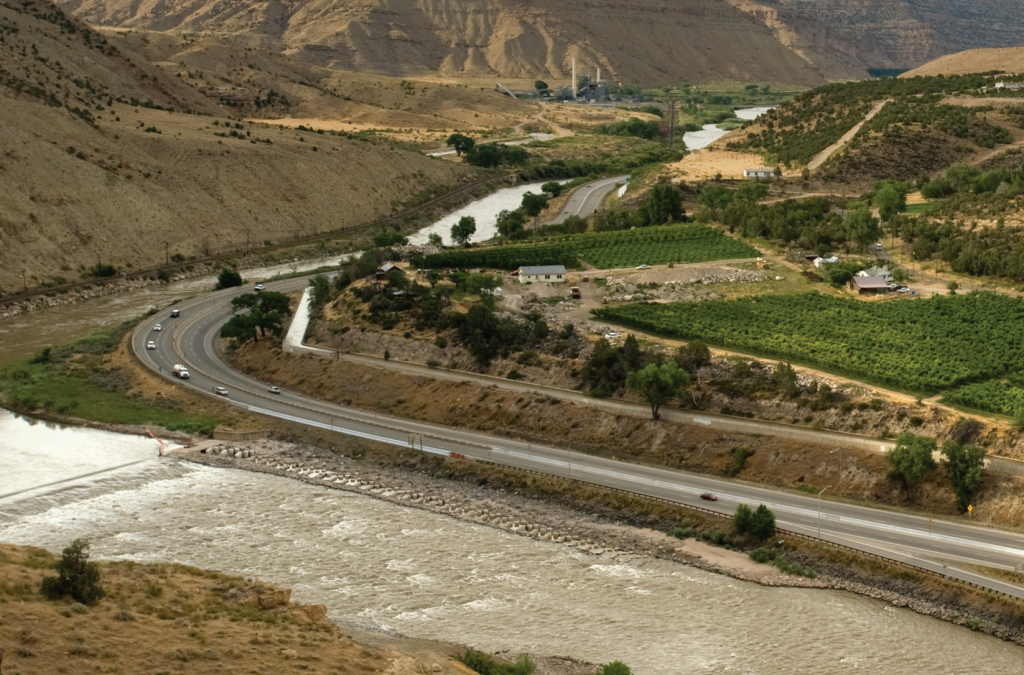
(911, 460)
(963, 466)
(658, 384)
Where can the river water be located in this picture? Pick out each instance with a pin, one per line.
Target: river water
(709, 133)
(484, 210)
(387, 567)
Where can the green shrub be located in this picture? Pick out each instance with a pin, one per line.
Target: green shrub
(76, 576)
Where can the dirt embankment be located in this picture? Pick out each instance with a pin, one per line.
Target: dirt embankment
(173, 618)
(857, 475)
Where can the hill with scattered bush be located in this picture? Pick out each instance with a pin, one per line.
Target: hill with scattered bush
(106, 157)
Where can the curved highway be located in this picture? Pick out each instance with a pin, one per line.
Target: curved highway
(943, 546)
(586, 199)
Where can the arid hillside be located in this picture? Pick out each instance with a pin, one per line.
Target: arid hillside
(1008, 60)
(106, 158)
(900, 33)
(647, 41)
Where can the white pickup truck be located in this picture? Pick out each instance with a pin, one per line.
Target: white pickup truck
(181, 371)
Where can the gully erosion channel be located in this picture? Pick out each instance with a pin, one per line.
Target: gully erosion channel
(382, 566)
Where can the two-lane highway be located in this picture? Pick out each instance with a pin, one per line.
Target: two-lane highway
(586, 199)
(191, 340)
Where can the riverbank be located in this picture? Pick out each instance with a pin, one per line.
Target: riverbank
(601, 522)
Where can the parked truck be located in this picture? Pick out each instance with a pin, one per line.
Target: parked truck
(181, 371)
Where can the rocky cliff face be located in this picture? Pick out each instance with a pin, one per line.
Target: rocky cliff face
(648, 41)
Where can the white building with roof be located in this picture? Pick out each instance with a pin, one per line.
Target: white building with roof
(553, 274)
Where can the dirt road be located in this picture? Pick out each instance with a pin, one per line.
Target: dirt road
(847, 137)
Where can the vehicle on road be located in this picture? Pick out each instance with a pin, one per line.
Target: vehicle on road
(150, 345)
(158, 327)
(893, 287)
(175, 313)
(707, 496)
(612, 336)
(180, 371)
(274, 390)
(261, 287)
(220, 391)
(643, 267)
(878, 247)
(903, 289)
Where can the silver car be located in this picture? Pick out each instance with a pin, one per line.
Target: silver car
(150, 345)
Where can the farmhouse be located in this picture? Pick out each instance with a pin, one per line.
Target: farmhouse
(554, 274)
(877, 272)
(1012, 86)
(864, 285)
(382, 271)
(759, 173)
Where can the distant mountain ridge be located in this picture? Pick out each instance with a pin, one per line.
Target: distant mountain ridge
(644, 41)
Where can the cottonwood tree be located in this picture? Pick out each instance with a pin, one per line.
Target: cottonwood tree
(862, 227)
(963, 466)
(266, 313)
(228, 279)
(658, 384)
(461, 143)
(911, 461)
(463, 230)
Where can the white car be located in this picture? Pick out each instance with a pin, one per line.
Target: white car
(150, 345)
(260, 287)
(274, 390)
(158, 327)
(878, 246)
(612, 336)
(643, 267)
(903, 289)
(220, 391)
(893, 286)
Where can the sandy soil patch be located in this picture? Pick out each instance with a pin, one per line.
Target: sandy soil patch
(706, 164)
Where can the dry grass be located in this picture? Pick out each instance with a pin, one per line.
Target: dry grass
(165, 618)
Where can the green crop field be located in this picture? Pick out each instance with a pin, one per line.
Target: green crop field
(606, 250)
(917, 345)
(993, 395)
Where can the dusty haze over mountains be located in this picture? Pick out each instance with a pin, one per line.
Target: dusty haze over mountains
(644, 41)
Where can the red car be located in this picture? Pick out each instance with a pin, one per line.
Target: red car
(709, 497)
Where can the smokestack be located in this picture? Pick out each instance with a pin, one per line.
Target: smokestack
(574, 77)
(599, 76)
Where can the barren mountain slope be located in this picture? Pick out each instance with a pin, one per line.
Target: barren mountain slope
(648, 41)
(89, 173)
(639, 41)
(1009, 60)
(243, 76)
(902, 33)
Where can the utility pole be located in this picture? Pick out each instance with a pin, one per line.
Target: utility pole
(672, 123)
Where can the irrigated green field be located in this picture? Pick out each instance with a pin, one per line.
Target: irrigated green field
(605, 250)
(918, 345)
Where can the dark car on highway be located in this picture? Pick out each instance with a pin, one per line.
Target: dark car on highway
(709, 497)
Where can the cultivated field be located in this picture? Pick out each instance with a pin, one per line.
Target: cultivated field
(918, 345)
(607, 250)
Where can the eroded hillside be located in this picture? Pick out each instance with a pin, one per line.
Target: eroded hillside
(646, 41)
(105, 158)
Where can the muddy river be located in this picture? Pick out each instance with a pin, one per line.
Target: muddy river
(387, 567)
